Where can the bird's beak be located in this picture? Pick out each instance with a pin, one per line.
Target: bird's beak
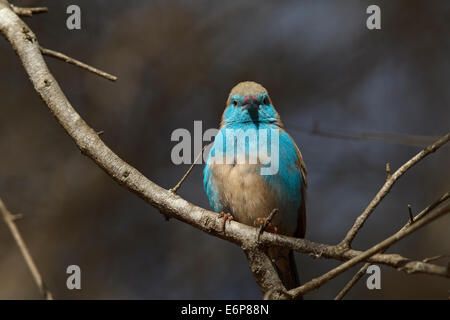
(250, 102)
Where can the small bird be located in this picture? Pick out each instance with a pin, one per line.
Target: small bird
(237, 188)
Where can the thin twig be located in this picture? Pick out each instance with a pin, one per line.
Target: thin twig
(265, 274)
(362, 271)
(377, 136)
(351, 234)
(388, 171)
(9, 220)
(178, 185)
(441, 256)
(28, 12)
(59, 55)
(411, 216)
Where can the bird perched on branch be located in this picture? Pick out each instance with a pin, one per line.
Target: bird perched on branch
(255, 167)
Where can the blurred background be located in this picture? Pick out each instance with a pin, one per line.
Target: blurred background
(176, 62)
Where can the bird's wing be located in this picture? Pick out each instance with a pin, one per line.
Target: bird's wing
(301, 220)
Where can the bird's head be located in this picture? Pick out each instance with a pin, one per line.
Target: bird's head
(249, 102)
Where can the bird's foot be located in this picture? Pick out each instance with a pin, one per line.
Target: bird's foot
(262, 223)
(225, 216)
(266, 224)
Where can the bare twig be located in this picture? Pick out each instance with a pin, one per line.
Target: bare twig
(178, 185)
(17, 216)
(425, 211)
(387, 187)
(384, 137)
(388, 171)
(411, 216)
(363, 270)
(28, 12)
(317, 282)
(441, 256)
(77, 63)
(320, 250)
(9, 220)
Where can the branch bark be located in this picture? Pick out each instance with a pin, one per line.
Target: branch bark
(28, 12)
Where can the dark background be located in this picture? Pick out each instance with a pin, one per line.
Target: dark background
(176, 62)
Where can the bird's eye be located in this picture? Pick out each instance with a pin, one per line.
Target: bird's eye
(266, 101)
(234, 103)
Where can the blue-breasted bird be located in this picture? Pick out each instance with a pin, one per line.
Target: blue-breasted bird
(236, 185)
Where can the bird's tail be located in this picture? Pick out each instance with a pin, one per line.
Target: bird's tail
(286, 267)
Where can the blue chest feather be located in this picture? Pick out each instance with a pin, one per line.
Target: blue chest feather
(285, 184)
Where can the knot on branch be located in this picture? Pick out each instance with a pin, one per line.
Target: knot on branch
(28, 34)
(316, 255)
(126, 174)
(342, 247)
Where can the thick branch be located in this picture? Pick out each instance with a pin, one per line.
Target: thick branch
(65, 58)
(265, 275)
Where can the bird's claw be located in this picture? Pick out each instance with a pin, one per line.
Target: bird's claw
(265, 225)
(225, 216)
(269, 227)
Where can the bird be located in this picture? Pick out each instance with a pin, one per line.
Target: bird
(238, 189)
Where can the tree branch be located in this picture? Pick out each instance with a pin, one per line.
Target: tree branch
(28, 12)
(9, 220)
(346, 243)
(265, 274)
(178, 185)
(61, 56)
(317, 282)
(361, 272)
